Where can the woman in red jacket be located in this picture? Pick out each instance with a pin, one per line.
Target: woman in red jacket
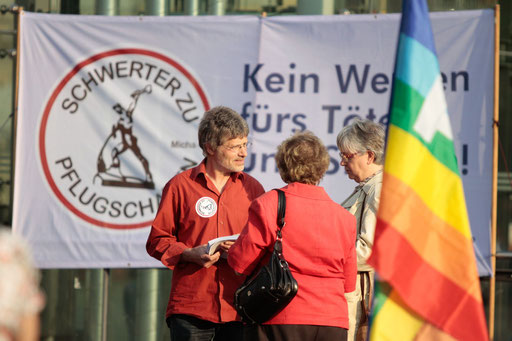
(318, 243)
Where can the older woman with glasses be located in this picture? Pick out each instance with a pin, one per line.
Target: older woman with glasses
(318, 244)
(361, 146)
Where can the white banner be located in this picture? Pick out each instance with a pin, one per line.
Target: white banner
(109, 109)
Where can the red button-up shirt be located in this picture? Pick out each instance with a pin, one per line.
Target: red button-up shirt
(191, 213)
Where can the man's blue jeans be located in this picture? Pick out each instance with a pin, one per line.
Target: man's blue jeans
(189, 328)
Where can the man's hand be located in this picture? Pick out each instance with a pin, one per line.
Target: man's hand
(199, 256)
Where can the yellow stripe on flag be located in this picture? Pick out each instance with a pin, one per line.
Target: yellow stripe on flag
(394, 321)
(440, 188)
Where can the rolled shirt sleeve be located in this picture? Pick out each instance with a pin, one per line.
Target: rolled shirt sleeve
(162, 243)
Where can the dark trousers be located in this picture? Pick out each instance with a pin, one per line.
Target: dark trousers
(189, 328)
(292, 332)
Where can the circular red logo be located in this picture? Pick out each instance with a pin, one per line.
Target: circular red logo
(115, 129)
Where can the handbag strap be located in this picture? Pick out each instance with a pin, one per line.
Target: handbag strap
(281, 211)
(361, 215)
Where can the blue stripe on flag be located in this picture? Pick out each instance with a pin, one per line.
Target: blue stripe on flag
(416, 23)
(416, 66)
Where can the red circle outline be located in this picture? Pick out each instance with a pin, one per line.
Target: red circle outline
(65, 80)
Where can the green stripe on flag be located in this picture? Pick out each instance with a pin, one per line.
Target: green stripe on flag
(407, 104)
(381, 294)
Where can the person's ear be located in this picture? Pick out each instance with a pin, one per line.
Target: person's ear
(371, 157)
(209, 149)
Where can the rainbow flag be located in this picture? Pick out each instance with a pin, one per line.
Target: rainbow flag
(423, 252)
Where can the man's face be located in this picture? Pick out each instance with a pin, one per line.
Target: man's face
(230, 156)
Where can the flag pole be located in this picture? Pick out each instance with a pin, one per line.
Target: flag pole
(495, 126)
(17, 12)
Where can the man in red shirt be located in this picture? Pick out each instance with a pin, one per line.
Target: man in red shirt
(200, 204)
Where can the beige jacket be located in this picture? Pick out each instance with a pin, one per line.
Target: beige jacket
(366, 217)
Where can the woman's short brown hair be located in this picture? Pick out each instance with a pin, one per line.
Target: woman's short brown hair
(302, 158)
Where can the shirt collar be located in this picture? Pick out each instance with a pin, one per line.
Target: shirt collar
(305, 190)
(369, 181)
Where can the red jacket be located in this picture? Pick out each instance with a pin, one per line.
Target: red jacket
(319, 245)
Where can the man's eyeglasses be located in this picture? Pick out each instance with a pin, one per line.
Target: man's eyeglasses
(345, 157)
(238, 147)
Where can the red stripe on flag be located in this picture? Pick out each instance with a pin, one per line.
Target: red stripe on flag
(428, 292)
(433, 238)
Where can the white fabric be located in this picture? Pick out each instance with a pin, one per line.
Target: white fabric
(434, 105)
(282, 73)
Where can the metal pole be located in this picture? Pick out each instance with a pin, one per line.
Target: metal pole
(107, 7)
(105, 281)
(147, 319)
(96, 284)
(192, 7)
(494, 203)
(17, 11)
(50, 315)
(323, 7)
(217, 7)
(157, 7)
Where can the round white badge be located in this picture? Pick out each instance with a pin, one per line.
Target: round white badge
(206, 207)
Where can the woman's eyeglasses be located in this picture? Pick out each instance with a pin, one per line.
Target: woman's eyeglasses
(345, 157)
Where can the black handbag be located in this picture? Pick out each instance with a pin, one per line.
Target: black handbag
(269, 289)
